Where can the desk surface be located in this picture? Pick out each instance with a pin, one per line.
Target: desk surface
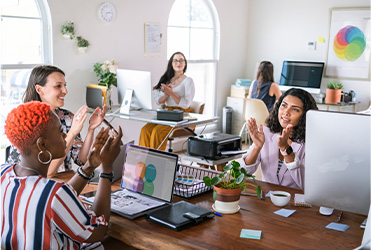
(305, 229)
(150, 116)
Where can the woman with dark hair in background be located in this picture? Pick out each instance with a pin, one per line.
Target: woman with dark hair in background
(280, 146)
(264, 87)
(41, 213)
(47, 84)
(176, 90)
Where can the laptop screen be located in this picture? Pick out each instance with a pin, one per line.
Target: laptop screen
(149, 171)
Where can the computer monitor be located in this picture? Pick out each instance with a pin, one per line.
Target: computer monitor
(140, 82)
(304, 75)
(337, 160)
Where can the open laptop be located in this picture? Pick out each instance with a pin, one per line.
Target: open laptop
(117, 166)
(147, 182)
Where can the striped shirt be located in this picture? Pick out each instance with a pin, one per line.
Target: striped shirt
(40, 213)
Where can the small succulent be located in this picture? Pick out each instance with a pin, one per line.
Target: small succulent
(334, 85)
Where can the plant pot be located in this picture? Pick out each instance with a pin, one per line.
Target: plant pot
(68, 36)
(333, 96)
(227, 200)
(82, 50)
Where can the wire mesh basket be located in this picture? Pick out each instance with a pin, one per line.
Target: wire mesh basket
(189, 181)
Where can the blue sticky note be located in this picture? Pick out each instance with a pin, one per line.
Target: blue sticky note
(268, 194)
(251, 234)
(285, 212)
(337, 226)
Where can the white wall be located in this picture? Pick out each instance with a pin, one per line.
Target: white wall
(250, 31)
(281, 30)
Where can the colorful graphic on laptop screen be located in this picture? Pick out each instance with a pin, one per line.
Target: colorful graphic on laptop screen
(150, 172)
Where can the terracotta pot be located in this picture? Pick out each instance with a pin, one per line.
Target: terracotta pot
(333, 96)
(227, 200)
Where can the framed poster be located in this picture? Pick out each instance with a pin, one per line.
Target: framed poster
(152, 37)
(349, 47)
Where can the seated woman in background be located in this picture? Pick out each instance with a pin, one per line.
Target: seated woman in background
(176, 90)
(41, 213)
(264, 87)
(47, 84)
(280, 147)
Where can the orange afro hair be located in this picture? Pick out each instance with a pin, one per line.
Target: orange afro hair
(26, 123)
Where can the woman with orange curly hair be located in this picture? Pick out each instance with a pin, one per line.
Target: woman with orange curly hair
(41, 213)
(47, 84)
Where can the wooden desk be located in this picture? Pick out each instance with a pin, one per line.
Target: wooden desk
(305, 229)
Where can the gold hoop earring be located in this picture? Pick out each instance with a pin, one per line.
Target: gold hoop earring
(44, 162)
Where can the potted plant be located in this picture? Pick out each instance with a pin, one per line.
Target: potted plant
(106, 73)
(228, 187)
(82, 44)
(333, 92)
(68, 30)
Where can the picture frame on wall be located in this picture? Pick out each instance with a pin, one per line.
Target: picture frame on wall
(349, 46)
(152, 38)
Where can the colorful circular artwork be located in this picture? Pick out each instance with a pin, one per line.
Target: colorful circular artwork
(150, 173)
(349, 43)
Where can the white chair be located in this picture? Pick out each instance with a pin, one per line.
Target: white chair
(257, 109)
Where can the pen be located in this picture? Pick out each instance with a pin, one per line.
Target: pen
(248, 194)
(261, 194)
(109, 125)
(340, 215)
(218, 214)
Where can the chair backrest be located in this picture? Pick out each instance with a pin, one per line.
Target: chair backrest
(197, 107)
(257, 109)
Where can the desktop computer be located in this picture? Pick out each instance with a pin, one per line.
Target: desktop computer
(337, 160)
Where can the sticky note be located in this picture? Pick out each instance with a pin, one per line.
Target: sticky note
(268, 194)
(285, 212)
(251, 234)
(337, 226)
(321, 39)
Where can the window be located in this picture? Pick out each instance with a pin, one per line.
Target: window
(193, 28)
(25, 41)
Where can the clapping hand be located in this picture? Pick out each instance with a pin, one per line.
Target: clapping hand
(97, 117)
(79, 120)
(95, 155)
(111, 150)
(167, 89)
(283, 140)
(257, 135)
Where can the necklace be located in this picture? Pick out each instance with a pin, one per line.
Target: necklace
(174, 80)
(30, 169)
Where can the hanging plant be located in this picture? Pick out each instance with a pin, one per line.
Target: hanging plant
(68, 30)
(82, 44)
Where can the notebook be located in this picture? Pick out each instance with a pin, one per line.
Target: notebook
(147, 182)
(117, 166)
(180, 215)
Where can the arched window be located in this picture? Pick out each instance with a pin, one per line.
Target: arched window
(193, 28)
(25, 41)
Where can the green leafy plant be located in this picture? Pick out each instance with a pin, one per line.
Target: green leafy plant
(68, 28)
(106, 73)
(334, 85)
(232, 177)
(81, 42)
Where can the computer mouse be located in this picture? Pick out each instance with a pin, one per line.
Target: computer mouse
(326, 210)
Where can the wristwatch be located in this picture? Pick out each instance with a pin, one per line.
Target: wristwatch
(287, 151)
(107, 176)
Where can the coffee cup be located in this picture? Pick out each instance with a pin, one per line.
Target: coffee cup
(280, 198)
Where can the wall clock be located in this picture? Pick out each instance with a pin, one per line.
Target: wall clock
(107, 12)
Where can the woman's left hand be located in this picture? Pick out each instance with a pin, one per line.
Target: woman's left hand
(283, 140)
(97, 117)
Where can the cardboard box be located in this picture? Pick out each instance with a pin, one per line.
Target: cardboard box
(239, 91)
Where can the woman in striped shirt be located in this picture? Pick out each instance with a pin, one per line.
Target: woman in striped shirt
(40, 213)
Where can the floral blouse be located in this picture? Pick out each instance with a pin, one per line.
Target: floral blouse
(66, 118)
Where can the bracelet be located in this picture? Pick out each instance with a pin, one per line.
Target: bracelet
(107, 176)
(84, 175)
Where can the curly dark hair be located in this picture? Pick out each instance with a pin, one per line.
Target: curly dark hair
(169, 73)
(298, 134)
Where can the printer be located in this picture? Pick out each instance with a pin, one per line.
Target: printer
(212, 145)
